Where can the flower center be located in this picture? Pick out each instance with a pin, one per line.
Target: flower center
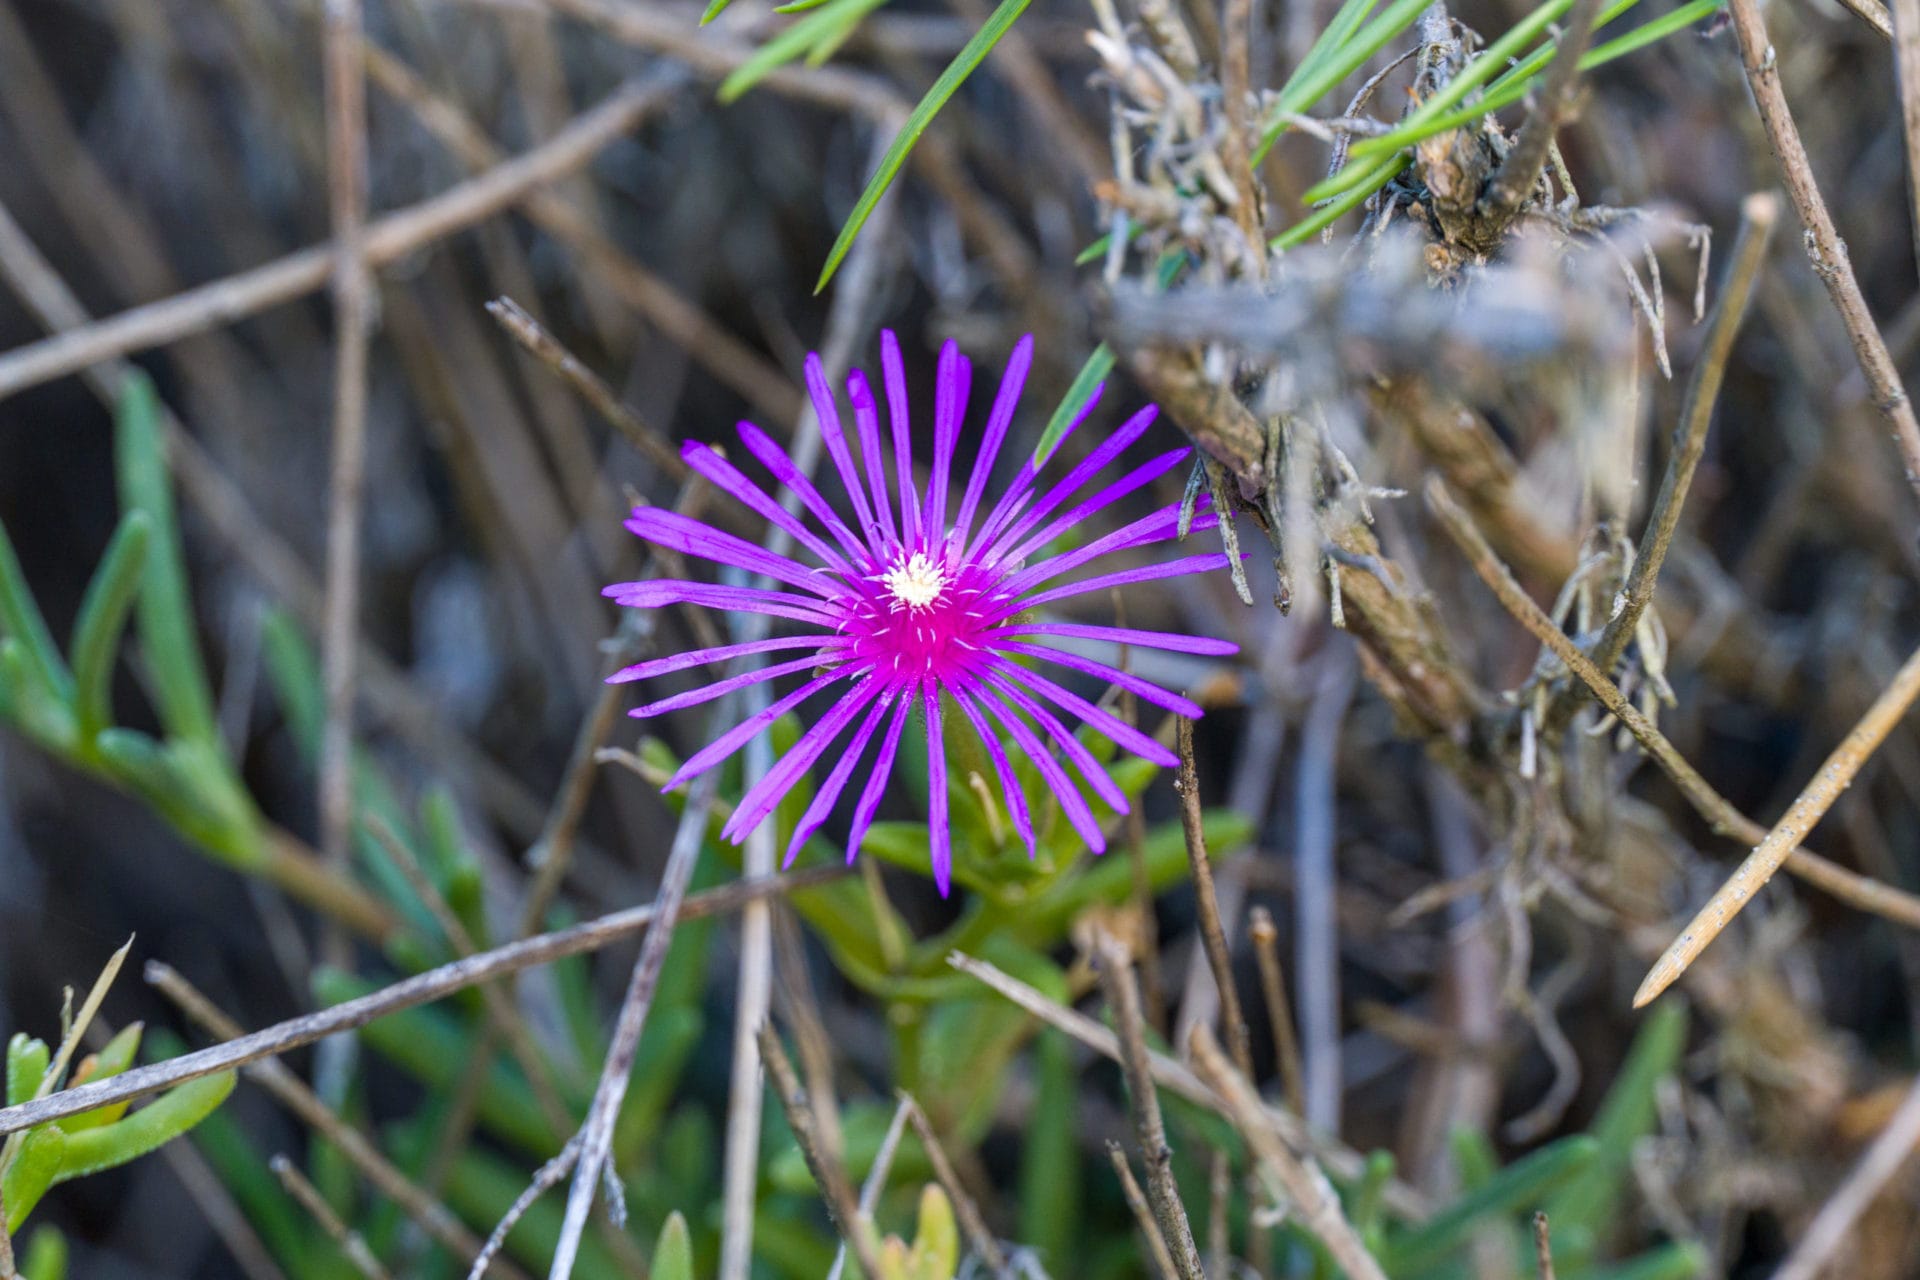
(915, 583)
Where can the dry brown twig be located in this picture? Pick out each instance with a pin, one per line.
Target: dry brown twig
(1142, 1213)
(972, 1224)
(1123, 995)
(1213, 936)
(308, 1197)
(1273, 987)
(1827, 250)
(1302, 1188)
(828, 1172)
(1835, 1222)
(1856, 890)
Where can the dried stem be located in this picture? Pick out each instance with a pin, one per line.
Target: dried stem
(1833, 777)
(1757, 216)
(346, 110)
(596, 1134)
(1123, 995)
(1301, 1186)
(309, 1198)
(1835, 1223)
(825, 1166)
(274, 1076)
(1828, 251)
(1213, 937)
(1273, 986)
(1542, 1245)
(971, 1223)
(1856, 890)
(1521, 168)
(1906, 65)
(1142, 1213)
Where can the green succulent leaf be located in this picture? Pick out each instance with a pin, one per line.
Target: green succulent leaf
(152, 1126)
(46, 1256)
(110, 1061)
(20, 620)
(673, 1252)
(35, 1167)
(27, 1060)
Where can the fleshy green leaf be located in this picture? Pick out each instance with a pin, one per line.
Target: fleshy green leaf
(27, 1060)
(152, 1126)
(20, 619)
(46, 1257)
(109, 1062)
(35, 1167)
(103, 615)
(673, 1253)
(167, 638)
(970, 56)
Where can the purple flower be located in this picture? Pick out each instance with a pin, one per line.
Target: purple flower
(915, 599)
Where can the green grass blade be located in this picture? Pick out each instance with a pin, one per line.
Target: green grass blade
(1327, 45)
(714, 10)
(20, 618)
(1326, 215)
(969, 57)
(1366, 42)
(1086, 384)
(1520, 1185)
(103, 615)
(826, 26)
(167, 637)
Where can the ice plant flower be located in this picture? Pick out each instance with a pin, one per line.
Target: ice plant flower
(915, 604)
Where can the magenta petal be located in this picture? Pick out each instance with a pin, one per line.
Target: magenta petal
(823, 800)
(1171, 641)
(1113, 675)
(732, 481)
(1147, 529)
(765, 795)
(676, 532)
(867, 418)
(775, 459)
(949, 410)
(1012, 382)
(877, 781)
(939, 835)
(1146, 573)
(721, 653)
(1022, 487)
(1135, 479)
(1075, 750)
(735, 738)
(654, 593)
(708, 692)
(894, 374)
(1088, 467)
(1009, 786)
(1119, 730)
(1072, 803)
(835, 439)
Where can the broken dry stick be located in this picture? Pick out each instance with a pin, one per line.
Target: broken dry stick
(1814, 800)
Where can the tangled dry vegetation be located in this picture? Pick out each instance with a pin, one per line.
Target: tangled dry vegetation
(1575, 481)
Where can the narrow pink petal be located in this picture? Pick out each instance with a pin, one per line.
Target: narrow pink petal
(1171, 641)
(1137, 478)
(1113, 675)
(1009, 785)
(827, 645)
(765, 795)
(654, 593)
(735, 738)
(1124, 577)
(949, 410)
(1109, 449)
(775, 459)
(1072, 703)
(939, 836)
(823, 800)
(1158, 527)
(673, 530)
(1095, 773)
(1022, 487)
(867, 417)
(1072, 803)
(735, 483)
(835, 439)
(877, 781)
(1012, 382)
(708, 692)
(894, 374)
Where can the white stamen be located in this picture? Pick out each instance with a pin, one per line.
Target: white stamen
(916, 582)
